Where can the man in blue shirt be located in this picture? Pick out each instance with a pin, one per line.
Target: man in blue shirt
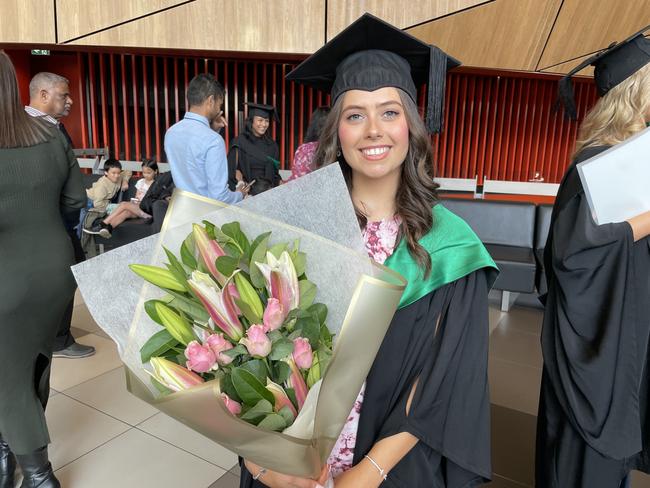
(195, 152)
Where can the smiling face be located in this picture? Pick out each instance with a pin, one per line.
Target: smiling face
(259, 125)
(373, 132)
(113, 174)
(148, 173)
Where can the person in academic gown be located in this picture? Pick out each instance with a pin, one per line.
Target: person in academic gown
(253, 155)
(593, 415)
(422, 418)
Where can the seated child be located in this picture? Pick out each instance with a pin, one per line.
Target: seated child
(128, 210)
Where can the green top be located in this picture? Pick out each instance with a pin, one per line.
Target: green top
(455, 252)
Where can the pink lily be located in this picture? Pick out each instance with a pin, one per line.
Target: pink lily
(218, 303)
(297, 382)
(209, 251)
(172, 375)
(281, 280)
(232, 406)
(281, 398)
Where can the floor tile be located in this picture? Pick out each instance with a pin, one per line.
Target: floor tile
(514, 385)
(495, 316)
(524, 319)
(138, 460)
(228, 480)
(510, 344)
(640, 480)
(77, 332)
(513, 446)
(236, 470)
(172, 431)
(78, 298)
(82, 319)
(67, 373)
(76, 429)
(53, 392)
(107, 393)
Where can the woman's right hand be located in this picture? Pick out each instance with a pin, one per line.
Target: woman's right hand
(273, 479)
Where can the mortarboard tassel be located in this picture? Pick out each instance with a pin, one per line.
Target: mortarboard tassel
(436, 90)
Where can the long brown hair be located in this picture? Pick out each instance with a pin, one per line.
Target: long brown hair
(619, 114)
(18, 129)
(417, 192)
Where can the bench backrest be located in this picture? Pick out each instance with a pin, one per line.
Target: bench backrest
(495, 222)
(542, 225)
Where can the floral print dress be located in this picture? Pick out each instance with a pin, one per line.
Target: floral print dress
(380, 237)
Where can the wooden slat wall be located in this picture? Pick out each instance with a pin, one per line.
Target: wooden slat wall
(497, 125)
(27, 21)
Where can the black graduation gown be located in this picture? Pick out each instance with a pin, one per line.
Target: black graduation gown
(251, 155)
(593, 415)
(450, 409)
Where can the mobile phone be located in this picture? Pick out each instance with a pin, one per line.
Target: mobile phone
(248, 185)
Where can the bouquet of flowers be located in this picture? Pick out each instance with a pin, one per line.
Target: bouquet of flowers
(241, 312)
(232, 314)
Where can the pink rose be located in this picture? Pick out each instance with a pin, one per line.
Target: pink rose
(256, 341)
(232, 406)
(302, 354)
(200, 358)
(273, 315)
(218, 343)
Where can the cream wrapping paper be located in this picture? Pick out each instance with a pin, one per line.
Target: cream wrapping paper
(361, 297)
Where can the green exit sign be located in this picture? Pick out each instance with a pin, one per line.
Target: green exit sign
(41, 52)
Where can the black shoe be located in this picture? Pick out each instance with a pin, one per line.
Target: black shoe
(101, 229)
(37, 470)
(75, 351)
(7, 465)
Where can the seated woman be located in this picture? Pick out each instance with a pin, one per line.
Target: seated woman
(305, 153)
(128, 210)
(253, 155)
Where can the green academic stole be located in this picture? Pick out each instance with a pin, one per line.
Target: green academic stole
(455, 252)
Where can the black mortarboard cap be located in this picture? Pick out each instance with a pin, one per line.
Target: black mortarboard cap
(371, 54)
(261, 110)
(611, 66)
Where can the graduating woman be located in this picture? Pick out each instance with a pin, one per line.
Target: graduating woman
(253, 155)
(593, 414)
(422, 417)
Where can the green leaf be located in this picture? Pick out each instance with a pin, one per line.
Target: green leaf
(247, 311)
(254, 245)
(307, 293)
(157, 345)
(273, 422)
(232, 249)
(258, 256)
(191, 307)
(286, 413)
(226, 265)
(291, 393)
(275, 335)
(187, 252)
(281, 349)
(299, 262)
(228, 388)
(326, 335)
(320, 311)
(176, 268)
(235, 352)
(249, 388)
(160, 387)
(281, 372)
(210, 229)
(150, 308)
(258, 368)
(278, 249)
(310, 330)
(233, 231)
(255, 414)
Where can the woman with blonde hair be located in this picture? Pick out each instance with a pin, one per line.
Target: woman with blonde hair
(593, 415)
(39, 182)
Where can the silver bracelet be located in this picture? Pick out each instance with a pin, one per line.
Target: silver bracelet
(382, 473)
(260, 473)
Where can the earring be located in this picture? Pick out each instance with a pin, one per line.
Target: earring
(338, 153)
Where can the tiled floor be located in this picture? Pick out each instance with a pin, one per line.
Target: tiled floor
(105, 437)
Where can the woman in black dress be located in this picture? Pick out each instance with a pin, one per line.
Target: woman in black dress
(593, 415)
(39, 182)
(422, 416)
(253, 155)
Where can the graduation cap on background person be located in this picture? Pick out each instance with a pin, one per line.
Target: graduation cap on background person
(371, 54)
(261, 110)
(612, 65)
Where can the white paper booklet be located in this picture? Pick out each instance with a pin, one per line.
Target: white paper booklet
(617, 181)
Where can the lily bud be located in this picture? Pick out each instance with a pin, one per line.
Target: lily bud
(248, 295)
(232, 406)
(172, 375)
(257, 342)
(162, 278)
(296, 382)
(302, 354)
(281, 280)
(209, 250)
(218, 303)
(179, 328)
(281, 398)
